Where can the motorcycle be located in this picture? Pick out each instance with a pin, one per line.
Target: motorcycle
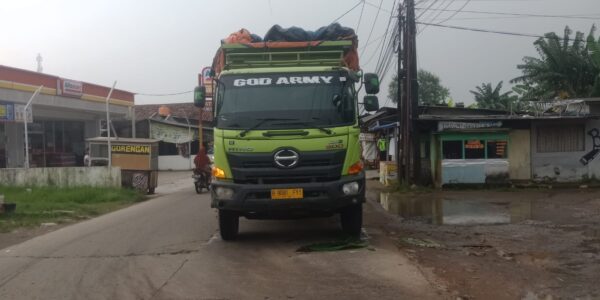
(201, 181)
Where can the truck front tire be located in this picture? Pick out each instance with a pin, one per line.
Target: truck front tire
(351, 219)
(229, 224)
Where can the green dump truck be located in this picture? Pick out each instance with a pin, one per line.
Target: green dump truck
(286, 131)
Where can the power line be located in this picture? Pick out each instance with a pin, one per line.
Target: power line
(164, 95)
(387, 28)
(371, 42)
(511, 14)
(518, 17)
(438, 14)
(433, 12)
(441, 11)
(387, 100)
(374, 22)
(426, 9)
(375, 6)
(362, 9)
(487, 31)
(456, 12)
(347, 12)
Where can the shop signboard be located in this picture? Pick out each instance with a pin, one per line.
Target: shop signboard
(474, 144)
(206, 81)
(20, 113)
(71, 88)
(7, 112)
(171, 133)
(449, 125)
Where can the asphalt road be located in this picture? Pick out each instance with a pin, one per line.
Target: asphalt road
(168, 248)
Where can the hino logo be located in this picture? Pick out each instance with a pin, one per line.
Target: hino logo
(286, 158)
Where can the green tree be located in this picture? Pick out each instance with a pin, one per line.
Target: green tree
(487, 96)
(593, 49)
(565, 67)
(431, 91)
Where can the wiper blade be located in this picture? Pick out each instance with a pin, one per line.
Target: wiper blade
(260, 122)
(311, 125)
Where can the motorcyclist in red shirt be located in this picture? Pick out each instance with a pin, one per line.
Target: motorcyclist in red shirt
(202, 162)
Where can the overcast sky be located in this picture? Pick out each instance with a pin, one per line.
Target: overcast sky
(159, 46)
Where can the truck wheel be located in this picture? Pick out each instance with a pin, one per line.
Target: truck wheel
(351, 219)
(229, 224)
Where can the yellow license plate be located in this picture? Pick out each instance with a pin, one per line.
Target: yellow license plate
(287, 193)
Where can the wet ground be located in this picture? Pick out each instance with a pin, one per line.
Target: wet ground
(513, 244)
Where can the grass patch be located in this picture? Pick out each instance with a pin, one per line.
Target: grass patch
(61, 205)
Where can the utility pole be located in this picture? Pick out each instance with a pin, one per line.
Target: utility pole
(414, 95)
(409, 104)
(25, 120)
(400, 146)
(108, 126)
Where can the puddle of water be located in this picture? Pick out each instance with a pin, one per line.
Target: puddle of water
(441, 211)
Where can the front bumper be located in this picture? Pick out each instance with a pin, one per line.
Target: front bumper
(320, 199)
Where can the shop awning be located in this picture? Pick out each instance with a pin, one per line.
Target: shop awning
(383, 125)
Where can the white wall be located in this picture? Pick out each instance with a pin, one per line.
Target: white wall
(175, 163)
(62, 177)
(564, 166)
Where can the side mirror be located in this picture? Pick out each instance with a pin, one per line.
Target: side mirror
(371, 103)
(199, 96)
(371, 83)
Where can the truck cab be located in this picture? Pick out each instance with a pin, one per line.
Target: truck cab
(286, 136)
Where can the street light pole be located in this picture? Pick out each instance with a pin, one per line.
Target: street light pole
(27, 106)
(190, 137)
(108, 124)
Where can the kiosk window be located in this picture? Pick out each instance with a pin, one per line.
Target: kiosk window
(452, 149)
(474, 149)
(496, 149)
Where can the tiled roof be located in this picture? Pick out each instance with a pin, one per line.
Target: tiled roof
(179, 110)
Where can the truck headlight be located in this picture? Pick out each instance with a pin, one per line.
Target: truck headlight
(351, 188)
(224, 193)
(218, 173)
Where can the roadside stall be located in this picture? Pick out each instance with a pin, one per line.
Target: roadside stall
(137, 158)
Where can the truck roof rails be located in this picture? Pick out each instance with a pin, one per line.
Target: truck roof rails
(285, 54)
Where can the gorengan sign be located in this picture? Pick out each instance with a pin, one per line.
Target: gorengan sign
(130, 149)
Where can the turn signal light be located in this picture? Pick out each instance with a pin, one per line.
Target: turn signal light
(355, 168)
(218, 173)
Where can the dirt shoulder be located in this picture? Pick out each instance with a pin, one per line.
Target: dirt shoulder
(545, 244)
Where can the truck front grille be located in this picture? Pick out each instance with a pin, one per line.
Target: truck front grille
(314, 166)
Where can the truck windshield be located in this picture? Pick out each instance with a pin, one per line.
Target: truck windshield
(289, 100)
